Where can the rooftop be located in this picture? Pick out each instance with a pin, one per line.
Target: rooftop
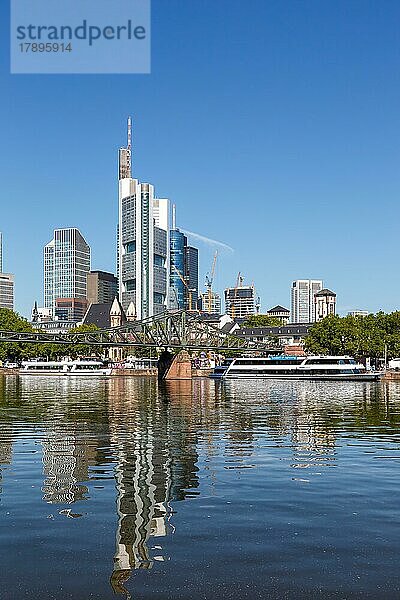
(278, 308)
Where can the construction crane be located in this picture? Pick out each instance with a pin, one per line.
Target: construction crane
(209, 281)
(190, 290)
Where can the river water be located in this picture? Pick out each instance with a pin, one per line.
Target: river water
(124, 487)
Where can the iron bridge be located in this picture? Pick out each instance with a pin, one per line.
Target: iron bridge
(174, 330)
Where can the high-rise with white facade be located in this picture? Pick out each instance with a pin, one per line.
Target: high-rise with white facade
(66, 266)
(302, 299)
(6, 283)
(7, 291)
(143, 242)
(325, 304)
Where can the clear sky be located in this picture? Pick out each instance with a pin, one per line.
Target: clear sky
(273, 125)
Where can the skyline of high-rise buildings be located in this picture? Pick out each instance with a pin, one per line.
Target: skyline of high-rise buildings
(157, 269)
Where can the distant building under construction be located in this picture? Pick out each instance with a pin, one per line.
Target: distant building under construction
(240, 301)
(210, 303)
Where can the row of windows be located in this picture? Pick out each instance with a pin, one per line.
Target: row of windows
(269, 362)
(296, 372)
(330, 361)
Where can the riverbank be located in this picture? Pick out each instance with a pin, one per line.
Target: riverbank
(152, 372)
(392, 376)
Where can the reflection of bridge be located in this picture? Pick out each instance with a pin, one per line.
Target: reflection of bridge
(177, 330)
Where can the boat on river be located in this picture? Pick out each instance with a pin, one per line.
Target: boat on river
(72, 368)
(314, 368)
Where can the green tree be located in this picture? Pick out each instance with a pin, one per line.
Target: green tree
(358, 336)
(262, 321)
(76, 350)
(12, 321)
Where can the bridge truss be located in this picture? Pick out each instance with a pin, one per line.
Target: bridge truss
(174, 330)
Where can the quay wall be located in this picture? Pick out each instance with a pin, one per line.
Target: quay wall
(134, 372)
(391, 376)
(153, 372)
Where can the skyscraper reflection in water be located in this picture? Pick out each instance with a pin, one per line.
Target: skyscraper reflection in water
(155, 465)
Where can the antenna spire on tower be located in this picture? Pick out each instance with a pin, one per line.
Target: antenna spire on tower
(129, 148)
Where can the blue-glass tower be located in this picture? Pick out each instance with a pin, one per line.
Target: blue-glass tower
(178, 243)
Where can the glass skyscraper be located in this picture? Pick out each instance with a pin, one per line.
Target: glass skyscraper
(177, 256)
(143, 242)
(184, 266)
(192, 274)
(66, 265)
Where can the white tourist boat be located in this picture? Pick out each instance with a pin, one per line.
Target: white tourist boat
(324, 368)
(79, 368)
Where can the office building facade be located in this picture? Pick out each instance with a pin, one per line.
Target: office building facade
(143, 242)
(66, 266)
(192, 275)
(302, 299)
(101, 287)
(325, 304)
(184, 272)
(178, 244)
(70, 309)
(6, 283)
(7, 291)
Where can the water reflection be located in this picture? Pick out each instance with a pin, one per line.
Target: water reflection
(155, 464)
(150, 438)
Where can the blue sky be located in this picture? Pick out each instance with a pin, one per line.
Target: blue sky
(273, 126)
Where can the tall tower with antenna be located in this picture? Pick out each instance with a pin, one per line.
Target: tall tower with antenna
(129, 148)
(142, 241)
(125, 156)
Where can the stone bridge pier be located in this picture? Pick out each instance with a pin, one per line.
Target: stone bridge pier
(172, 367)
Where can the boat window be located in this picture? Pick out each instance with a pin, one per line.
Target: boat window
(324, 361)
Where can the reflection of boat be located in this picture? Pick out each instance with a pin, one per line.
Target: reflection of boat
(325, 368)
(72, 368)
